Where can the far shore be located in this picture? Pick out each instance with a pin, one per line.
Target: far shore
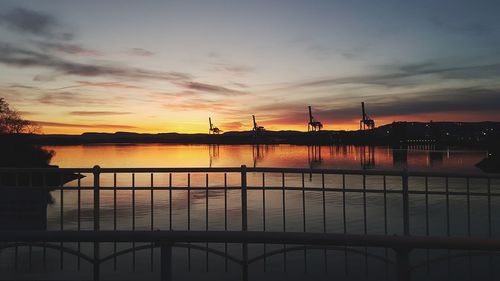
(463, 134)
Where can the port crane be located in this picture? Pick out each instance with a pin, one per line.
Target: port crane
(313, 125)
(255, 127)
(213, 130)
(366, 122)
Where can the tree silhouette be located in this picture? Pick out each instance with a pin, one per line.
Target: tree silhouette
(17, 148)
(11, 121)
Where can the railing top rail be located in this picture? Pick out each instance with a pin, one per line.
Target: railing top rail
(173, 170)
(375, 172)
(45, 170)
(355, 240)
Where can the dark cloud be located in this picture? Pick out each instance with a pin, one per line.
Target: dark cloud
(98, 113)
(34, 23)
(70, 99)
(19, 86)
(439, 101)
(67, 48)
(465, 28)
(444, 101)
(72, 125)
(203, 87)
(402, 74)
(18, 57)
(140, 52)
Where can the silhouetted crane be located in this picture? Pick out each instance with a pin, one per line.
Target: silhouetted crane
(255, 127)
(366, 122)
(313, 125)
(212, 129)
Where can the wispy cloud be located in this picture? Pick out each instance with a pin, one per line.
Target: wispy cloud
(98, 113)
(232, 68)
(112, 85)
(70, 99)
(19, 57)
(227, 126)
(140, 52)
(227, 107)
(85, 126)
(28, 113)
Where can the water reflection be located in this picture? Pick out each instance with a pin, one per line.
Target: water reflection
(436, 157)
(314, 156)
(258, 153)
(367, 157)
(400, 157)
(213, 152)
(339, 157)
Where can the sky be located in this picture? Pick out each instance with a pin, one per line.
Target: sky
(166, 66)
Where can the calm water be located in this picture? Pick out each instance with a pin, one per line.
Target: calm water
(346, 157)
(182, 209)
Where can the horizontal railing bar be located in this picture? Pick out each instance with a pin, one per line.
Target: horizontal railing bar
(259, 237)
(269, 188)
(373, 172)
(325, 171)
(360, 190)
(453, 193)
(453, 175)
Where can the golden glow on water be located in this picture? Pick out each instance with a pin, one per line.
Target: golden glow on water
(345, 157)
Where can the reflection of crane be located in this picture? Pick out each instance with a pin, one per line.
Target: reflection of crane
(255, 127)
(213, 153)
(366, 122)
(367, 157)
(314, 157)
(257, 153)
(313, 125)
(213, 129)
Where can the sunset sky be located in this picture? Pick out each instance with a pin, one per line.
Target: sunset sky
(166, 66)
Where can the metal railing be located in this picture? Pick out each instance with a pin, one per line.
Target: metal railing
(273, 180)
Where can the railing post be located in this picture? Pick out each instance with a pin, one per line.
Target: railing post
(406, 204)
(244, 220)
(244, 210)
(97, 172)
(166, 262)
